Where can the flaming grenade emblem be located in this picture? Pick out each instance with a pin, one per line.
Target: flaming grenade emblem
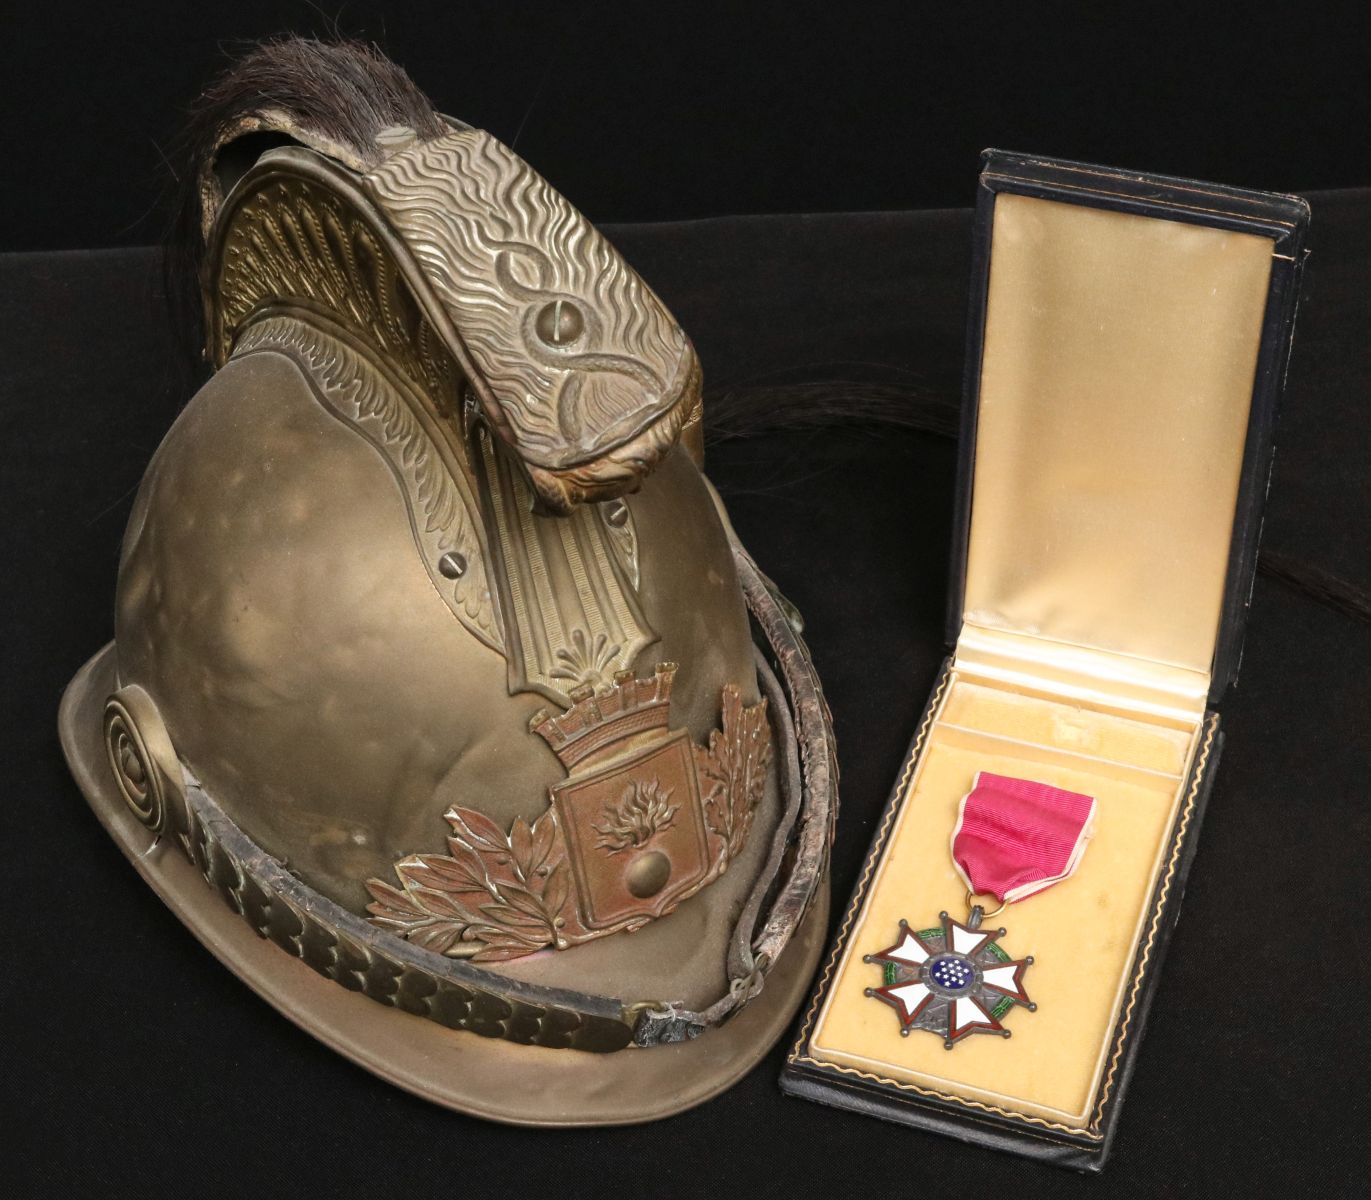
(643, 811)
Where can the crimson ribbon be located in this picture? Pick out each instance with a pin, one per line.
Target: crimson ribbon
(1015, 837)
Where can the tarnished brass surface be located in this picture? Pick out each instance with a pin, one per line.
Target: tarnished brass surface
(337, 945)
(463, 295)
(276, 652)
(142, 759)
(496, 1079)
(560, 638)
(434, 653)
(507, 255)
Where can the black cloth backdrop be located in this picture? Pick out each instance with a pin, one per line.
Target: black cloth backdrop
(662, 111)
(133, 1063)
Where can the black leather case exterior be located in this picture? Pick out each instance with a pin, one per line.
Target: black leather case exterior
(804, 1075)
(1284, 219)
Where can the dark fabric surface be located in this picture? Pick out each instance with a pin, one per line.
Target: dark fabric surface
(665, 111)
(134, 1064)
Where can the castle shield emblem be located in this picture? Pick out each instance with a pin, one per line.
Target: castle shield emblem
(635, 833)
(644, 819)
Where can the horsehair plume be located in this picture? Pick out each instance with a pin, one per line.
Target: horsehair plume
(825, 404)
(335, 96)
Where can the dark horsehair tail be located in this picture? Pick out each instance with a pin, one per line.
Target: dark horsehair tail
(333, 96)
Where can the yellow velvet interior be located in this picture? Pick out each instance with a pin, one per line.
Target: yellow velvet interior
(1082, 933)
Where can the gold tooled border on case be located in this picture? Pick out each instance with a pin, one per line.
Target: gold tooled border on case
(1092, 1130)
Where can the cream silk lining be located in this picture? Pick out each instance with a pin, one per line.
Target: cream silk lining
(1116, 383)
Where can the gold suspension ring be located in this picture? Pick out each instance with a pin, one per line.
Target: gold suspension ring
(985, 912)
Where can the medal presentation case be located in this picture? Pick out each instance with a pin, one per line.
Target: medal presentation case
(1127, 344)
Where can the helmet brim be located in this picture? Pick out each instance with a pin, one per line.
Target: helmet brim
(499, 1080)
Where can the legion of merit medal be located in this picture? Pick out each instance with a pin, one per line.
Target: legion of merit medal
(1013, 838)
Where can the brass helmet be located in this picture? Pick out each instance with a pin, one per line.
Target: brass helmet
(436, 657)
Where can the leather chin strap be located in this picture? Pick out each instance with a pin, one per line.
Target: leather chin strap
(356, 954)
(808, 778)
(746, 970)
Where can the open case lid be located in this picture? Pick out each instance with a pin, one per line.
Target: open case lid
(1127, 344)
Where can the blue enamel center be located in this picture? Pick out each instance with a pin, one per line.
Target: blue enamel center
(952, 972)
